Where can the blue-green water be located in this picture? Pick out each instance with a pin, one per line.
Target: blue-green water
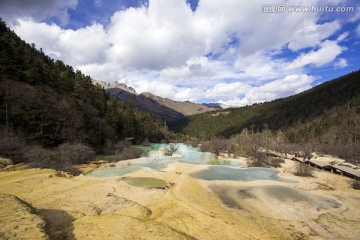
(188, 155)
(155, 161)
(147, 164)
(111, 171)
(234, 174)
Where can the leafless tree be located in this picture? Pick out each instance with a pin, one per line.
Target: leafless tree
(74, 153)
(303, 170)
(171, 149)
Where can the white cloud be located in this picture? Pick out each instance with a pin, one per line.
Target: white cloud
(156, 37)
(356, 16)
(11, 10)
(83, 46)
(219, 51)
(227, 90)
(259, 66)
(342, 36)
(43, 35)
(328, 51)
(86, 45)
(341, 63)
(279, 88)
(358, 30)
(313, 34)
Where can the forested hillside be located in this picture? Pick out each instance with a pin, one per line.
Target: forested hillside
(330, 107)
(46, 102)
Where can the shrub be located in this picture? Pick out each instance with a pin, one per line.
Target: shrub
(303, 170)
(129, 153)
(11, 145)
(215, 146)
(355, 185)
(146, 142)
(41, 158)
(171, 149)
(275, 162)
(69, 154)
(259, 159)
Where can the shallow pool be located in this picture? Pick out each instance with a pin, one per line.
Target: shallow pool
(112, 171)
(146, 182)
(187, 154)
(149, 164)
(155, 160)
(212, 161)
(235, 174)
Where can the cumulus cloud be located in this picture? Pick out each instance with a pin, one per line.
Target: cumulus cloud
(154, 37)
(228, 90)
(43, 35)
(313, 34)
(213, 52)
(83, 46)
(279, 88)
(341, 63)
(328, 51)
(11, 10)
(77, 51)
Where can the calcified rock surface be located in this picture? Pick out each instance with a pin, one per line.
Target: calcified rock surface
(19, 221)
(83, 207)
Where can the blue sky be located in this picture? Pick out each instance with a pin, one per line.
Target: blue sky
(228, 51)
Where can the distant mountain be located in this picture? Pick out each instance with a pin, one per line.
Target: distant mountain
(217, 106)
(160, 108)
(330, 110)
(115, 86)
(187, 108)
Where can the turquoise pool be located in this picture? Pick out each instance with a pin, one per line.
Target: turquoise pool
(156, 161)
(235, 174)
(112, 171)
(188, 155)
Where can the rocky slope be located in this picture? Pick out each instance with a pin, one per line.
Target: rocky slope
(115, 85)
(187, 108)
(160, 108)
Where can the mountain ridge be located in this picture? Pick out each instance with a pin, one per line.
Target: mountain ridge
(280, 114)
(164, 109)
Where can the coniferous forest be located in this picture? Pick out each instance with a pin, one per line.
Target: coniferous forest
(47, 103)
(325, 118)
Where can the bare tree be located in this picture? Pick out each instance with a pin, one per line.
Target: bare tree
(11, 144)
(74, 153)
(303, 170)
(171, 149)
(215, 146)
(41, 158)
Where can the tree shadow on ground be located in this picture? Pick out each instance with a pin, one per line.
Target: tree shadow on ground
(59, 223)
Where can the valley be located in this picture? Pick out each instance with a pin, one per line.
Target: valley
(174, 119)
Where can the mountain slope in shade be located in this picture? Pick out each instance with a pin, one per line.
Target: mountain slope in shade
(186, 108)
(160, 108)
(330, 98)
